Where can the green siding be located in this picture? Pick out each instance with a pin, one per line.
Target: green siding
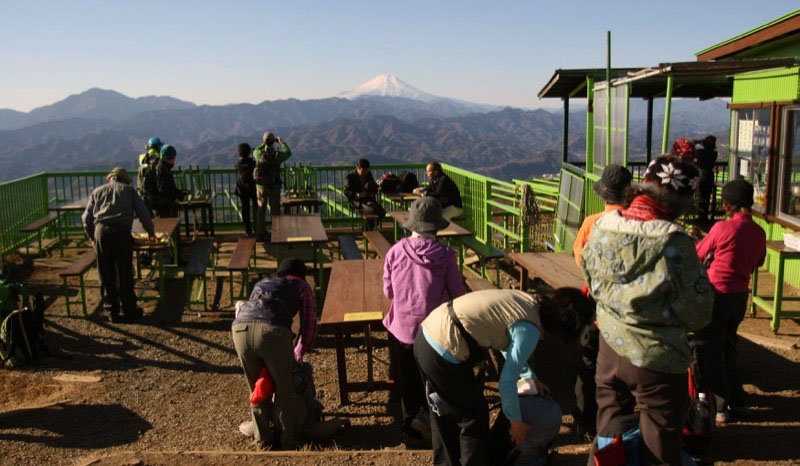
(791, 273)
(767, 86)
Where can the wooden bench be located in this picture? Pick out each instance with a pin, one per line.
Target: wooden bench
(196, 268)
(78, 269)
(378, 242)
(240, 262)
(486, 252)
(348, 250)
(37, 226)
(478, 284)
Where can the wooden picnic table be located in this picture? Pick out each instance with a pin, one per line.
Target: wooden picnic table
(354, 300)
(72, 207)
(297, 203)
(453, 229)
(202, 202)
(301, 229)
(165, 227)
(557, 269)
(403, 199)
(773, 305)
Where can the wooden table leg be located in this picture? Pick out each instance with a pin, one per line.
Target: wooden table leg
(368, 338)
(523, 279)
(341, 367)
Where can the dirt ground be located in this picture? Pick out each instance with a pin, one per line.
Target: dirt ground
(169, 390)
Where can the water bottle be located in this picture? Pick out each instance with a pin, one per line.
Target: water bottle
(703, 415)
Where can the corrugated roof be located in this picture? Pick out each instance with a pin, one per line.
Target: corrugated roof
(703, 80)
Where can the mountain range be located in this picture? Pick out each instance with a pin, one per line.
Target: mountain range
(384, 119)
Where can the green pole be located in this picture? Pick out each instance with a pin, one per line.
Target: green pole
(565, 133)
(608, 98)
(589, 124)
(667, 110)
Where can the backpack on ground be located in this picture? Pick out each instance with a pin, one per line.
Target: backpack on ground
(389, 183)
(304, 386)
(408, 182)
(701, 417)
(21, 327)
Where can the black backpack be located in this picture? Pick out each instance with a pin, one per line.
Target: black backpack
(21, 328)
(389, 183)
(408, 182)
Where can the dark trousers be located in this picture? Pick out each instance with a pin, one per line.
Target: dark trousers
(585, 386)
(166, 209)
(271, 198)
(704, 191)
(408, 382)
(460, 436)
(248, 201)
(114, 247)
(716, 350)
(662, 400)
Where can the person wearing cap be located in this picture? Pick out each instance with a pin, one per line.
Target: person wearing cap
(152, 151)
(651, 291)
(107, 221)
(443, 189)
(267, 176)
(454, 339)
(683, 149)
(262, 335)
(611, 189)
(735, 247)
(419, 274)
(167, 192)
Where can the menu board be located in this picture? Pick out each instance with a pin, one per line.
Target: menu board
(745, 139)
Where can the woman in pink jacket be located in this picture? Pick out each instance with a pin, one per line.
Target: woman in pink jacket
(419, 274)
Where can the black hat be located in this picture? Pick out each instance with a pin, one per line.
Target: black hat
(292, 266)
(612, 184)
(738, 193)
(426, 216)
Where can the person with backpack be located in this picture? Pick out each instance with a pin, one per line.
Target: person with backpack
(735, 248)
(246, 185)
(145, 177)
(267, 176)
(651, 291)
(419, 274)
(108, 220)
(361, 189)
(456, 336)
(262, 335)
(443, 189)
(167, 192)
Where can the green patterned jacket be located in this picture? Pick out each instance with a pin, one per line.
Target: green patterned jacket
(650, 290)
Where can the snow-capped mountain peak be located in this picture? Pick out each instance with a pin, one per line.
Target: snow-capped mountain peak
(387, 85)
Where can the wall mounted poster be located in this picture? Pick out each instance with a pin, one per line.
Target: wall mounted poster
(745, 139)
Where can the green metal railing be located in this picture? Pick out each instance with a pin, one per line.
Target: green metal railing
(21, 202)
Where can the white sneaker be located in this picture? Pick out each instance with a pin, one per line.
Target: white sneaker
(246, 428)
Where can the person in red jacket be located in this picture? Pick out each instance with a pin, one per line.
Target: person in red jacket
(734, 247)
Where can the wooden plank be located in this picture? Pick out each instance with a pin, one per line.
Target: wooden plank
(554, 268)
(199, 259)
(477, 284)
(378, 242)
(240, 259)
(165, 225)
(298, 229)
(453, 229)
(348, 248)
(82, 264)
(40, 223)
(354, 287)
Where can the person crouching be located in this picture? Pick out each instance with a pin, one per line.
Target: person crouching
(262, 336)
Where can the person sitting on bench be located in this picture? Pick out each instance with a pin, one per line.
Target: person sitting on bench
(262, 335)
(443, 189)
(362, 190)
(419, 274)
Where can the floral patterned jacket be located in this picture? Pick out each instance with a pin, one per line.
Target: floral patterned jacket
(650, 290)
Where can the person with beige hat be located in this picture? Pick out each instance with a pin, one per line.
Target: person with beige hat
(108, 220)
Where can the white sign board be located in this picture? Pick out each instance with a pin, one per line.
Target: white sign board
(745, 139)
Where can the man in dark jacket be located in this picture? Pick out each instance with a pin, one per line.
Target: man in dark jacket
(246, 185)
(168, 192)
(108, 220)
(444, 189)
(705, 158)
(362, 190)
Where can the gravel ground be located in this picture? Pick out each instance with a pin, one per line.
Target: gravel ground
(168, 389)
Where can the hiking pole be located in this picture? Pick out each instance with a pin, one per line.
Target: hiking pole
(24, 333)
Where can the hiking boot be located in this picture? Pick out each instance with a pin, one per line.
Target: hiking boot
(247, 429)
(422, 424)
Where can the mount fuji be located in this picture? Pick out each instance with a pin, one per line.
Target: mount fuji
(389, 85)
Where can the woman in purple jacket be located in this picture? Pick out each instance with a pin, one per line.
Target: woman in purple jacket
(419, 274)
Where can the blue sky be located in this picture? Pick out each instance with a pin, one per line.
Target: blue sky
(218, 52)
